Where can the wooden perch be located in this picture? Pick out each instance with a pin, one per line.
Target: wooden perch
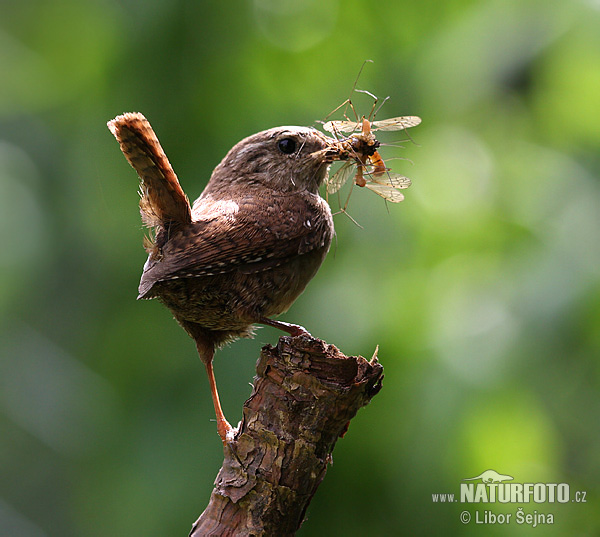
(305, 394)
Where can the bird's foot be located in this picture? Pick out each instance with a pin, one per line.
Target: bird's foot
(225, 430)
(293, 329)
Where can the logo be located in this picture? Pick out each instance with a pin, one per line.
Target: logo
(491, 476)
(492, 487)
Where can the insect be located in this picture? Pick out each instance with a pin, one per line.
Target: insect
(363, 158)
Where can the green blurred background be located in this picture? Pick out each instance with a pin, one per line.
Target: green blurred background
(482, 289)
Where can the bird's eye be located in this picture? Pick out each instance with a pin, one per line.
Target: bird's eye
(287, 145)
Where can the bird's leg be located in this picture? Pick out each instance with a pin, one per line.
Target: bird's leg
(223, 428)
(292, 329)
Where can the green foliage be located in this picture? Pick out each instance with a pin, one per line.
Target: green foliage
(482, 288)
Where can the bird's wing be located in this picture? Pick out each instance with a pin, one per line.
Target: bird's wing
(251, 236)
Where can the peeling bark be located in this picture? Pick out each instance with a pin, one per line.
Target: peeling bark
(305, 394)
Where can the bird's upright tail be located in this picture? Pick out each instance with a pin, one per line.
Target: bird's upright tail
(163, 203)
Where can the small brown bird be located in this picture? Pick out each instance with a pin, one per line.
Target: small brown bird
(247, 247)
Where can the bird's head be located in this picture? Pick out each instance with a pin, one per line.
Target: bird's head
(283, 159)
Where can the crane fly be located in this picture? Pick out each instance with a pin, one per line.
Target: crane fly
(360, 149)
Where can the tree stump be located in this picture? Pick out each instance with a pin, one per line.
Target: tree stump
(305, 394)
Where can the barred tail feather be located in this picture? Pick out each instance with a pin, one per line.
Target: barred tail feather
(163, 203)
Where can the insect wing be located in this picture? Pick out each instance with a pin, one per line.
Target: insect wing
(394, 180)
(338, 179)
(342, 126)
(387, 192)
(396, 123)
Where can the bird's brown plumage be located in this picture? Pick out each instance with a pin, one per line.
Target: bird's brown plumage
(251, 242)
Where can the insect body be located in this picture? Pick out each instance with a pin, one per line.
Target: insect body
(364, 160)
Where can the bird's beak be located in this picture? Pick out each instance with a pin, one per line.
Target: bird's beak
(333, 150)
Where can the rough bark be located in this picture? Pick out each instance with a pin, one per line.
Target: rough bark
(305, 394)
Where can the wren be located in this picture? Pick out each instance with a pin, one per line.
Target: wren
(247, 247)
